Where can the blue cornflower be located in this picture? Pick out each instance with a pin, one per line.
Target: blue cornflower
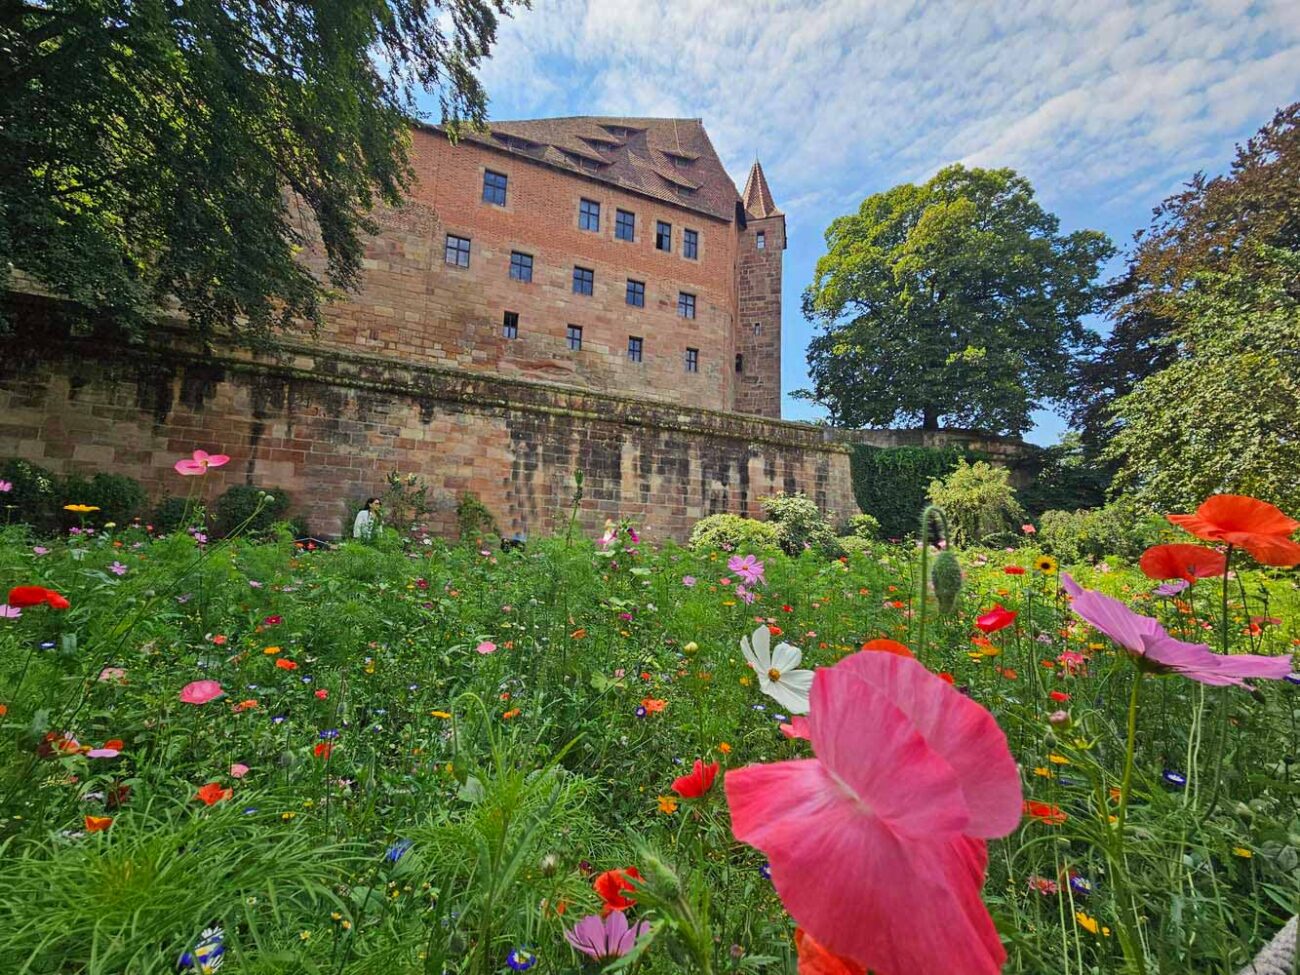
(398, 850)
(1176, 779)
(779, 717)
(520, 959)
(640, 712)
(328, 734)
(280, 719)
(48, 644)
(758, 707)
(765, 871)
(1080, 885)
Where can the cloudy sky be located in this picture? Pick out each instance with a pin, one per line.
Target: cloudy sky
(1106, 105)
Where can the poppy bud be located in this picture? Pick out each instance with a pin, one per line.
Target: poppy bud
(658, 873)
(946, 579)
(549, 865)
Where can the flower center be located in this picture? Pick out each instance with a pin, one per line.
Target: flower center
(774, 675)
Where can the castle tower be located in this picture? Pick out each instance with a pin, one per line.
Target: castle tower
(757, 385)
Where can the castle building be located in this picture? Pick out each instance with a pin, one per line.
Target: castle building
(611, 254)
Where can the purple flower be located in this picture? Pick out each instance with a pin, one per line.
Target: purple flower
(1156, 651)
(749, 568)
(744, 594)
(6, 487)
(117, 568)
(41, 550)
(605, 938)
(688, 581)
(1171, 588)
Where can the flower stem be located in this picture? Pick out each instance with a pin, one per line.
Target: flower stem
(1128, 922)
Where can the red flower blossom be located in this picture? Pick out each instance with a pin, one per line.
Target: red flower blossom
(96, 823)
(1257, 526)
(1044, 813)
(21, 597)
(285, 664)
(995, 619)
(1190, 562)
(816, 960)
(885, 645)
(322, 693)
(323, 749)
(611, 884)
(698, 782)
(654, 705)
(1013, 570)
(1058, 695)
(212, 793)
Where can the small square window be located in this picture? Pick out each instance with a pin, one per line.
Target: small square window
(510, 325)
(691, 244)
(634, 348)
(664, 236)
(686, 305)
(758, 328)
(692, 360)
(636, 293)
(574, 338)
(625, 225)
(521, 266)
(740, 362)
(589, 215)
(457, 251)
(761, 241)
(494, 188)
(584, 281)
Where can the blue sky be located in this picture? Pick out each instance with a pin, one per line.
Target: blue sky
(1106, 106)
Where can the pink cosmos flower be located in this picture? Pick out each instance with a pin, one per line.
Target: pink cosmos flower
(201, 692)
(605, 938)
(486, 647)
(117, 568)
(745, 594)
(40, 550)
(749, 568)
(199, 462)
(877, 844)
(103, 753)
(238, 770)
(688, 581)
(1156, 651)
(8, 612)
(6, 487)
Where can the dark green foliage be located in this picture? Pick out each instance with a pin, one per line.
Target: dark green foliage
(800, 524)
(34, 497)
(956, 301)
(946, 579)
(1063, 478)
(889, 483)
(473, 519)
(244, 503)
(170, 514)
(1120, 529)
(118, 497)
(153, 150)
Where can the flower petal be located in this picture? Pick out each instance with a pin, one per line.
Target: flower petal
(791, 691)
(786, 657)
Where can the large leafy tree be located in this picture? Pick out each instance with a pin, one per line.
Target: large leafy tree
(1228, 224)
(955, 302)
(153, 151)
(1224, 415)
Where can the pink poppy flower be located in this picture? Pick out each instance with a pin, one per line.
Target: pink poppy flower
(199, 462)
(486, 647)
(877, 844)
(8, 612)
(605, 938)
(1156, 651)
(1028, 529)
(201, 692)
(238, 770)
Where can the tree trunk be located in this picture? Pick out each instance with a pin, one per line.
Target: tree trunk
(929, 417)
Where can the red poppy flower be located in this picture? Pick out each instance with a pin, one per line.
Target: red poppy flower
(1058, 695)
(284, 664)
(653, 705)
(611, 884)
(323, 749)
(1013, 570)
(21, 597)
(212, 793)
(1257, 526)
(946, 677)
(95, 824)
(1190, 562)
(995, 619)
(698, 782)
(816, 960)
(885, 645)
(322, 693)
(774, 629)
(1044, 813)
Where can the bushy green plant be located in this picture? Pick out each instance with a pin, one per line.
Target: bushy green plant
(34, 496)
(863, 526)
(889, 482)
(800, 524)
(473, 519)
(855, 544)
(1121, 528)
(978, 499)
(118, 497)
(727, 531)
(259, 507)
(170, 514)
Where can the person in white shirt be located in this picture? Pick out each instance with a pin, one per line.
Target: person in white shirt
(367, 524)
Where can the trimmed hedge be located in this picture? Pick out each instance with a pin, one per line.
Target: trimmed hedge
(890, 483)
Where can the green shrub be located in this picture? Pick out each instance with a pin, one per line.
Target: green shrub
(119, 498)
(240, 502)
(34, 496)
(170, 514)
(863, 526)
(978, 500)
(727, 531)
(800, 524)
(1120, 529)
(854, 544)
(890, 482)
(473, 519)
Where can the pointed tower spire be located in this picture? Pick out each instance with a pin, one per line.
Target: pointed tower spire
(757, 197)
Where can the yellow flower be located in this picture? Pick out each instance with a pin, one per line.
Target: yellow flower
(1241, 851)
(440, 714)
(724, 748)
(667, 804)
(304, 935)
(744, 682)
(1045, 564)
(1058, 759)
(691, 647)
(1044, 771)
(1090, 924)
(270, 649)
(81, 509)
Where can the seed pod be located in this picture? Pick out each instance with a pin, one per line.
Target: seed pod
(946, 579)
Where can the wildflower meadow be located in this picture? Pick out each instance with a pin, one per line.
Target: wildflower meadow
(609, 752)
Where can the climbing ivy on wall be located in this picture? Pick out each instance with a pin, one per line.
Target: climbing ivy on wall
(890, 482)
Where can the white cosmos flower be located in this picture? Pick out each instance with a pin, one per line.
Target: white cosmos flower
(777, 676)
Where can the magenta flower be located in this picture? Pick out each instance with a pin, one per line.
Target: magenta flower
(1156, 651)
(688, 581)
(117, 568)
(6, 487)
(8, 612)
(486, 647)
(877, 844)
(103, 753)
(199, 462)
(605, 938)
(201, 692)
(748, 568)
(745, 594)
(238, 770)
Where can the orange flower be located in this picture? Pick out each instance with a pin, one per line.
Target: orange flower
(579, 633)
(247, 705)
(512, 713)
(323, 749)
(1190, 562)
(1044, 813)
(1257, 526)
(95, 824)
(653, 705)
(816, 960)
(285, 664)
(885, 645)
(212, 793)
(4, 709)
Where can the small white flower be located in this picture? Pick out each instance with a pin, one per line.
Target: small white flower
(778, 677)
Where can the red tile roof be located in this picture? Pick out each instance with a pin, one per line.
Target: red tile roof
(664, 158)
(757, 197)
